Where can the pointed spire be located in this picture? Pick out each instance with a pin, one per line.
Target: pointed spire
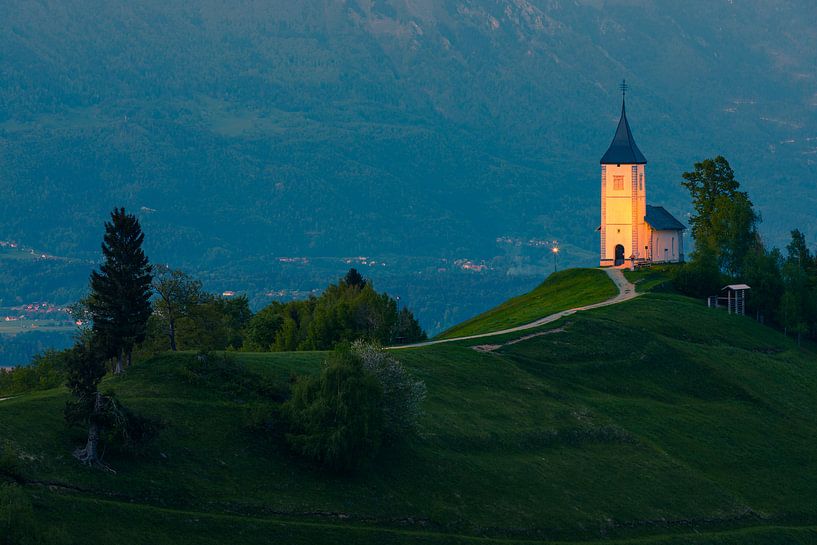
(623, 150)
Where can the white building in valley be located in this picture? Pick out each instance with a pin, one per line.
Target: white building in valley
(631, 230)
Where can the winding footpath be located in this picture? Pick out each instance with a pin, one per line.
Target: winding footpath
(626, 291)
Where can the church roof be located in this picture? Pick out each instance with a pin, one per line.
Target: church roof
(661, 220)
(622, 150)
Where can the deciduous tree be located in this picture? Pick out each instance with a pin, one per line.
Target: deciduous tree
(177, 293)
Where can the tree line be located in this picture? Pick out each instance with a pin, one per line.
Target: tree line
(135, 307)
(729, 248)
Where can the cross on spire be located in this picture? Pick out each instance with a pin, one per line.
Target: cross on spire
(623, 87)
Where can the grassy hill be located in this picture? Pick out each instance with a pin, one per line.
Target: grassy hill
(560, 291)
(654, 421)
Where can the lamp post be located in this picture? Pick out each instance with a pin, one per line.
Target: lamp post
(555, 252)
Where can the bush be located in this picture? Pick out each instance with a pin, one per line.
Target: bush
(700, 277)
(336, 419)
(130, 431)
(46, 371)
(403, 395)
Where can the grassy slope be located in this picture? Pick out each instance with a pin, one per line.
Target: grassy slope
(651, 421)
(560, 291)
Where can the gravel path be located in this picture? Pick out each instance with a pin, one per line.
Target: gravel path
(626, 291)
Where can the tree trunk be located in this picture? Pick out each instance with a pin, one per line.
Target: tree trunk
(172, 334)
(118, 369)
(89, 455)
(130, 357)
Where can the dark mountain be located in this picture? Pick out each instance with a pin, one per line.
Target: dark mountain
(252, 129)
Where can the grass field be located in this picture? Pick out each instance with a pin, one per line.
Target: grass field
(25, 326)
(657, 278)
(654, 421)
(560, 291)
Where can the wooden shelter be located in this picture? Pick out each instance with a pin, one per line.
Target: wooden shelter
(733, 297)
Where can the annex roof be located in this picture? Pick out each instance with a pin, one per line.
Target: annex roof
(622, 150)
(661, 220)
(736, 287)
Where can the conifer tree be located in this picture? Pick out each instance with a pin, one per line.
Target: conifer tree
(121, 289)
(354, 279)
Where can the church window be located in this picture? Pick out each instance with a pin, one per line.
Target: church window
(640, 181)
(618, 183)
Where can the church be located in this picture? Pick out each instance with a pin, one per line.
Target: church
(632, 231)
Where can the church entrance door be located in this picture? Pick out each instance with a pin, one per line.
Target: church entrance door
(619, 255)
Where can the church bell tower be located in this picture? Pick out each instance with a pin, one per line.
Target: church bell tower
(624, 232)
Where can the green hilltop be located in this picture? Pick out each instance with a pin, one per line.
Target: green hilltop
(657, 420)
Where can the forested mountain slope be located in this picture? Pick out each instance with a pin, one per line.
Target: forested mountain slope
(405, 126)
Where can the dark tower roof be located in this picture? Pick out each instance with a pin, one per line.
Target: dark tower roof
(622, 150)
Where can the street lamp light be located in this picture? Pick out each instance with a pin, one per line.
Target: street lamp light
(555, 251)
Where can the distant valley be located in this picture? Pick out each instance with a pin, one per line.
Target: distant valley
(412, 133)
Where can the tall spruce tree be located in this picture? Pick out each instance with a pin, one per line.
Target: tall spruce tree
(121, 289)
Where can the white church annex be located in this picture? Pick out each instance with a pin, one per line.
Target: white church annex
(631, 230)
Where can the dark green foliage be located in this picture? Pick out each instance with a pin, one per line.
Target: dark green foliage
(46, 371)
(701, 276)
(121, 289)
(208, 323)
(128, 430)
(176, 295)
(763, 275)
(797, 311)
(107, 420)
(342, 313)
(729, 249)
(354, 278)
(263, 328)
(84, 368)
(215, 323)
(403, 395)
(725, 223)
(336, 418)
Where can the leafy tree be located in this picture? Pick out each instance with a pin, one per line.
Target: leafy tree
(259, 336)
(798, 305)
(343, 313)
(763, 274)
(120, 291)
(177, 293)
(701, 276)
(725, 221)
(46, 371)
(215, 323)
(798, 251)
(403, 395)
(336, 419)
